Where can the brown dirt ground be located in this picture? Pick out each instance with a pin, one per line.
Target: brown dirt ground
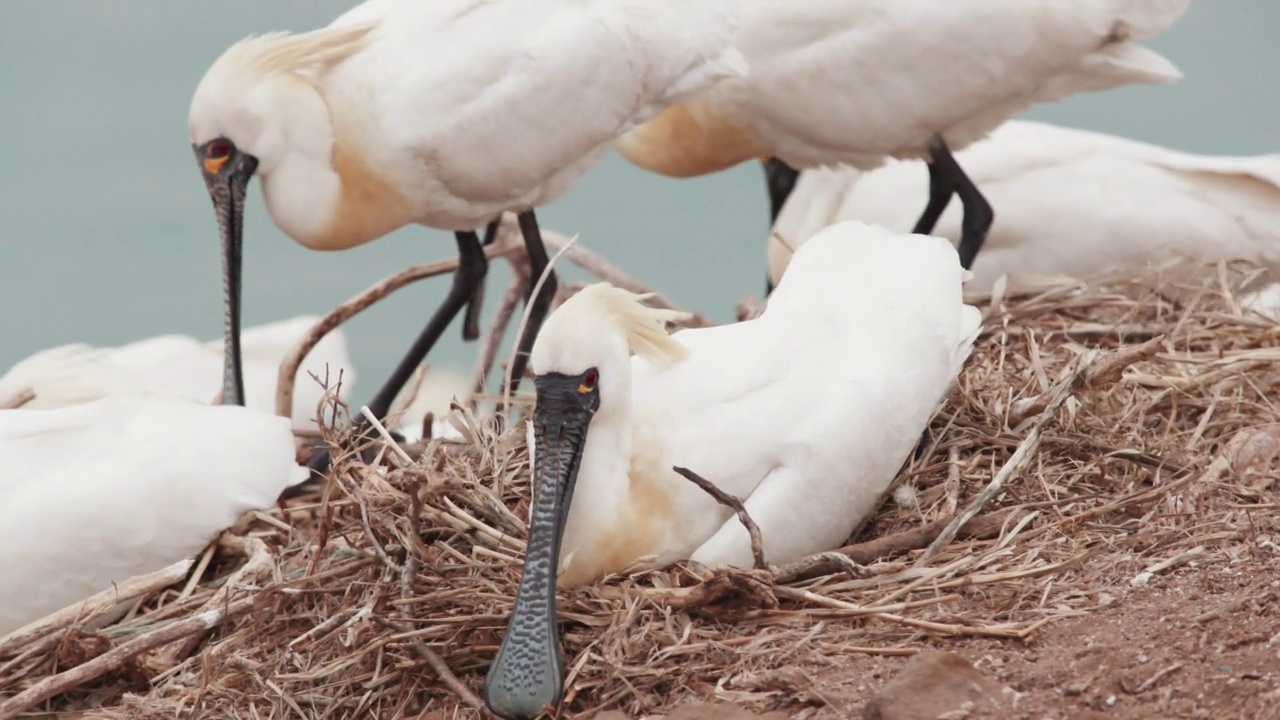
(1199, 642)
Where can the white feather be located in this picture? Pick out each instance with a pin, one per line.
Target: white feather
(807, 412)
(94, 494)
(1067, 202)
(182, 366)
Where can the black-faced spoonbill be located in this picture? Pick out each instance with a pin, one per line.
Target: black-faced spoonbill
(809, 440)
(1071, 202)
(858, 81)
(98, 493)
(442, 113)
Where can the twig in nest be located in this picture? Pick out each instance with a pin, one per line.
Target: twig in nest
(1102, 371)
(116, 658)
(438, 664)
(357, 495)
(868, 552)
(410, 571)
(410, 391)
(603, 269)
(524, 321)
(386, 436)
(260, 562)
(18, 399)
(733, 503)
(85, 609)
(498, 327)
(349, 309)
(1025, 450)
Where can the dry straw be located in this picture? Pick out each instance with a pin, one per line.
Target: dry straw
(1098, 432)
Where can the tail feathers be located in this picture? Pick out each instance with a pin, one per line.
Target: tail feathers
(1142, 19)
(1125, 63)
(695, 38)
(1111, 67)
(67, 375)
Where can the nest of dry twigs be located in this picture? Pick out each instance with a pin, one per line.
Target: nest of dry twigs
(1097, 433)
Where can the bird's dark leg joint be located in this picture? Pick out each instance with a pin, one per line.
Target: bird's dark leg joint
(978, 214)
(538, 306)
(941, 187)
(473, 268)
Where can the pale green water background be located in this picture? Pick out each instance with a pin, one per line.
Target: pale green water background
(107, 235)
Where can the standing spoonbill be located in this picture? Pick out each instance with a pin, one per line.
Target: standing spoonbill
(1071, 202)
(858, 81)
(443, 113)
(95, 494)
(182, 366)
(809, 439)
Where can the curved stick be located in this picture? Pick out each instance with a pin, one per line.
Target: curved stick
(357, 304)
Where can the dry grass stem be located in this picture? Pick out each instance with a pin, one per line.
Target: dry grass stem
(734, 504)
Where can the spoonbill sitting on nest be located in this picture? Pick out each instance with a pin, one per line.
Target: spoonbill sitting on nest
(182, 366)
(95, 494)
(1071, 202)
(445, 114)
(808, 439)
(858, 81)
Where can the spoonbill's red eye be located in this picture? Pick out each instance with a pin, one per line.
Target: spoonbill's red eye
(590, 378)
(218, 149)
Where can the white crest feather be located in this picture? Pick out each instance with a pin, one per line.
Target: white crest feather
(285, 52)
(644, 326)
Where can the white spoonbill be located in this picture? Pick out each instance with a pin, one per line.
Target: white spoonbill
(183, 366)
(808, 439)
(1071, 202)
(442, 113)
(858, 81)
(95, 494)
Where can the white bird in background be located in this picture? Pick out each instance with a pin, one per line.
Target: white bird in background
(434, 395)
(183, 366)
(806, 413)
(95, 494)
(1071, 202)
(859, 81)
(443, 113)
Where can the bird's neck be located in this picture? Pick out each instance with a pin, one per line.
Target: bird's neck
(619, 510)
(689, 140)
(325, 191)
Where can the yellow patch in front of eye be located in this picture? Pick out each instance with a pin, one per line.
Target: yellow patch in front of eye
(213, 165)
(584, 389)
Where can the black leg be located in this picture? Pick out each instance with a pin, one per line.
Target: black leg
(781, 180)
(947, 177)
(978, 216)
(472, 267)
(940, 191)
(471, 318)
(538, 306)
